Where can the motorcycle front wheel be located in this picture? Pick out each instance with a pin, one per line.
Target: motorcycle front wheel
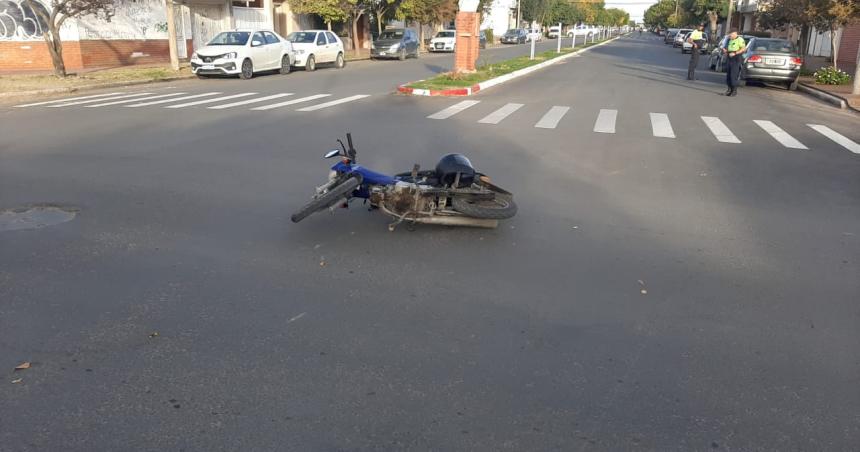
(327, 199)
(499, 208)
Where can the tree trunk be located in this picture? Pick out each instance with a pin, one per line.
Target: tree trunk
(856, 89)
(804, 41)
(834, 50)
(712, 17)
(421, 36)
(355, 44)
(379, 15)
(327, 24)
(55, 48)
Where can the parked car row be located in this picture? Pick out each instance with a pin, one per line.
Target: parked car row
(769, 60)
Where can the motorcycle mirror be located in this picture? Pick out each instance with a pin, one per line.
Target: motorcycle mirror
(332, 153)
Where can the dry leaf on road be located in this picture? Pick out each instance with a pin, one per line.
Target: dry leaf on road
(17, 381)
(22, 366)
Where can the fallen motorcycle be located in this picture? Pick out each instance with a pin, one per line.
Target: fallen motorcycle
(452, 194)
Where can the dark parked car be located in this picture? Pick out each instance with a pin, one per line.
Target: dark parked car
(771, 60)
(717, 59)
(397, 43)
(482, 40)
(669, 37)
(515, 36)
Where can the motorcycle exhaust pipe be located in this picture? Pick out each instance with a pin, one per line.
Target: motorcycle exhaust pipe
(458, 221)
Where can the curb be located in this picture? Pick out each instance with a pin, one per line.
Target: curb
(822, 95)
(474, 89)
(73, 89)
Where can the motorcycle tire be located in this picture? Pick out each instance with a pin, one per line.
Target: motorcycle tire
(499, 208)
(327, 200)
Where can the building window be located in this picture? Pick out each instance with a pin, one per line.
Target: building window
(248, 3)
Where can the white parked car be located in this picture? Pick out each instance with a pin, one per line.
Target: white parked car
(581, 30)
(443, 41)
(313, 47)
(534, 34)
(553, 32)
(243, 53)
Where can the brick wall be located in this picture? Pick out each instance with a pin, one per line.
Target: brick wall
(17, 56)
(848, 47)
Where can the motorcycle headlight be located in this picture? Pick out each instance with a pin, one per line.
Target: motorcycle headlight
(230, 56)
(395, 47)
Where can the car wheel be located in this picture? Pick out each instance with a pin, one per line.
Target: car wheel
(285, 65)
(311, 64)
(247, 70)
(339, 62)
(402, 55)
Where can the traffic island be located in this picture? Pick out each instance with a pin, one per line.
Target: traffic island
(489, 75)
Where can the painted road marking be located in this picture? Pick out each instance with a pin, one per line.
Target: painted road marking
(66, 100)
(780, 135)
(660, 125)
(167, 101)
(551, 119)
(842, 140)
(81, 102)
(250, 101)
(606, 121)
(138, 99)
(720, 131)
(334, 102)
(291, 102)
(209, 101)
(500, 114)
(453, 109)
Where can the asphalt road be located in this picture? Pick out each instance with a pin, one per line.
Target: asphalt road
(653, 293)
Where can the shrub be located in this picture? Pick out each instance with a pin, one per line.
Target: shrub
(489, 34)
(831, 76)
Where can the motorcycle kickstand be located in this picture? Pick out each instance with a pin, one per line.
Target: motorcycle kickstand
(400, 219)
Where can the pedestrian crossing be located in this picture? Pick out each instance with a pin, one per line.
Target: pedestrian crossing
(661, 125)
(212, 100)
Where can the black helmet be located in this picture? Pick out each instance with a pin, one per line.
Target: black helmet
(450, 165)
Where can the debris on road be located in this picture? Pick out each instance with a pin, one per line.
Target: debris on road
(16, 381)
(153, 334)
(643, 291)
(296, 317)
(22, 366)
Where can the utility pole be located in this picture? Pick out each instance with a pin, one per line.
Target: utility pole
(171, 35)
(518, 14)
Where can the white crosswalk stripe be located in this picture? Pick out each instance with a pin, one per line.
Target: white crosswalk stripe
(719, 129)
(89, 101)
(660, 125)
(837, 137)
(334, 102)
(453, 109)
(210, 101)
(47, 102)
(551, 119)
(175, 99)
(291, 102)
(780, 135)
(136, 99)
(605, 121)
(500, 114)
(255, 100)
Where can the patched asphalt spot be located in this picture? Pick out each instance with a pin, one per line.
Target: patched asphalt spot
(35, 216)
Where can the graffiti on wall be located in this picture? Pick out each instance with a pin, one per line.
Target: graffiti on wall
(19, 21)
(133, 19)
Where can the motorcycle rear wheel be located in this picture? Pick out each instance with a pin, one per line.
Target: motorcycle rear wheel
(499, 208)
(328, 199)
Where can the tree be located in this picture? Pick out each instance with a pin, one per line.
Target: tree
(329, 10)
(782, 14)
(62, 10)
(833, 15)
(354, 9)
(426, 12)
(658, 14)
(711, 10)
(534, 10)
(383, 9)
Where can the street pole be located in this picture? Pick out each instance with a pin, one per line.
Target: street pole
(559, 38)
(532, 54)
(518, 14)
(729, 19)
(171, 36)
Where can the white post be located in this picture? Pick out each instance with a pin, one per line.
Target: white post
(558, 50)
(532, 54)
(573, 40)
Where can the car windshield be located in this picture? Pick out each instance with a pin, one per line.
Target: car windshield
(445, 34)
(391, 34)
(302, 36)
(511, 33)
(773, 45)
(230, 38)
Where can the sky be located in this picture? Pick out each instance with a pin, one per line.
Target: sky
(636, 8)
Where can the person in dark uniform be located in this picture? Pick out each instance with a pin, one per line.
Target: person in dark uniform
(697, 39)
(734, 51)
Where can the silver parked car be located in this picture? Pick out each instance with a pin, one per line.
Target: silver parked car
(771, 60)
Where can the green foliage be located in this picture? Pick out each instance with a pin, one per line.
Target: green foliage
(659, 14)
(489, 34)
(831, 76)
(329, 10)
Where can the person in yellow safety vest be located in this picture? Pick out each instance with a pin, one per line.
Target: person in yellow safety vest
(735, 48)
(697, 39)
